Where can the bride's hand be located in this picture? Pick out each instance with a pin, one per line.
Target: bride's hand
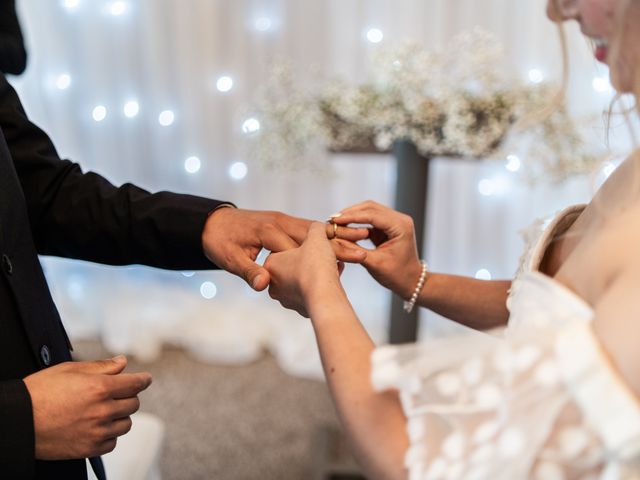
(394, 263)
(301, 275)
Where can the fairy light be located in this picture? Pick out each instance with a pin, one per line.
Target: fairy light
(224, 84)
(71, 4)
(117, 8)
(251, 125)
(601, 85)
(483, 274)
(63, 81)
(513, 163)
(263, 24)
(608, 168)
(498, 185)
(375, 35)
(166, 118)
(486, 187)
(535, 76)
(192, 164)
(99, 113)
(131, 109)
(238, 170)
(208, 290)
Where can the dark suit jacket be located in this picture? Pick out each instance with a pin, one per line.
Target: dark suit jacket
(13, 56)
(49, 206)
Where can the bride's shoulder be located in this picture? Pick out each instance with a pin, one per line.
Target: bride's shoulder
(609, 247)
(623, 224)
(620, 237)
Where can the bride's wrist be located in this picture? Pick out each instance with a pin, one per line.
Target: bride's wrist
(410, 280)
(323, 292)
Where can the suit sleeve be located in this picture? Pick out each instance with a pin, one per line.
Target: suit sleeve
(13, 56)
(83, 216)
(17, 435)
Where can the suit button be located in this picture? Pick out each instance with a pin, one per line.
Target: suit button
(45, 355)
(6, 264)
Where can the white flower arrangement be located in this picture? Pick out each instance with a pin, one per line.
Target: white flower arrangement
(454, 102)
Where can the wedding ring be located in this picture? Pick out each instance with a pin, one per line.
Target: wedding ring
(335, 230)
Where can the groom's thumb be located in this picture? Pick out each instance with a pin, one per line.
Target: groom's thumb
(256, 276)
(258, 279)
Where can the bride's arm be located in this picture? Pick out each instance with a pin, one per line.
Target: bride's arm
(306, 279)
(395, 264)
(373, 421)
(479, 304)
(616, 325)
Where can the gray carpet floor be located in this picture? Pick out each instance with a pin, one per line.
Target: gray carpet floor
(251, 422)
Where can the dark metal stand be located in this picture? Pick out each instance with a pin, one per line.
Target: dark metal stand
(411, 198)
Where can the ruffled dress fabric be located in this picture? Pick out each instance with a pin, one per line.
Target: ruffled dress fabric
(542, 402)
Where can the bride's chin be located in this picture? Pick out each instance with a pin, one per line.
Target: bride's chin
(622, 79)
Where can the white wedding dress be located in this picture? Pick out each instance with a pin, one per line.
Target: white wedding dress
(541, 402)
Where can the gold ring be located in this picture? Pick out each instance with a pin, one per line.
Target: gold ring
(335, 230)
(329, 222)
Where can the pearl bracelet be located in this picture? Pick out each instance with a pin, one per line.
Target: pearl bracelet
(409, 304)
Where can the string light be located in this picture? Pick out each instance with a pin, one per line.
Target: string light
(263, 24)
(485, 187)
(375, 35)
(166, 118)
(117, 8)
(601, 85)
(208, 290)
(76, 287)
(483, 274)
(608, 169)
(224, 84)
(131, 109)
(498, 185)
(513, 163)
(99, 113)
(63, 81)
(192, 165)
(535, 76)
(251, 125)
(70, 4)
(238, 170)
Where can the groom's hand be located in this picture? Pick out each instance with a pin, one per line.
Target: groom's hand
(81, 408)
(232, 239)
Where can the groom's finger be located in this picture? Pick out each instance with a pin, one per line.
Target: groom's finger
(348, 252)
(347, 233)
(274, 239)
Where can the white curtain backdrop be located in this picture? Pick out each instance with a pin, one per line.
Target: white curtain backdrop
(167, 55)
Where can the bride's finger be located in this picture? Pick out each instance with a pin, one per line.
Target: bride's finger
(375, 218)
(366, 205)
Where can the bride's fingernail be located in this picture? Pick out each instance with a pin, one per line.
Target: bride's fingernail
(335, 215)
